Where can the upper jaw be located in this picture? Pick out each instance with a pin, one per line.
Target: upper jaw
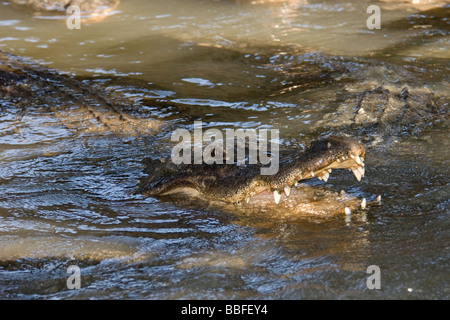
(317, 161)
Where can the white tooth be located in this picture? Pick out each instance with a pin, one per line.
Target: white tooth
(347, 210)
(287, 190)
(379, 199)
(329, 170)
(276, 196)
(325, 176)
(338, 160)
(358, 160)
(312, 173)
(361, 171)
(352, 156)
(247, 200)
(363, 203)
(357, 174)
(320, 177)
(296, 183)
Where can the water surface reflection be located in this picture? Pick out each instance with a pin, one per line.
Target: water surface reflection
(67, 195)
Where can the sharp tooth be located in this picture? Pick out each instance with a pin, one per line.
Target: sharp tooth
(338, 160)
(358, 160)
(379, 199)
(352, 156)
(247, 200)
(347, 210)
(357, 174)
(325, 176)
(363, 203)
(361, 171)
(296, 183)
(329, 170)
(320, 177)
(276, 196)
(287, 190)
(312, 173)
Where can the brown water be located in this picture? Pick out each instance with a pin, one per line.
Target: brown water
(67, 197)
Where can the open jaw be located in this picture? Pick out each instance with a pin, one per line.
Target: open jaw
(282, 192)
(319, 160)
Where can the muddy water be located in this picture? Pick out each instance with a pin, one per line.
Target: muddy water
(67, 195)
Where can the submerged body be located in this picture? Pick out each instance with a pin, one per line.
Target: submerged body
(25, 87)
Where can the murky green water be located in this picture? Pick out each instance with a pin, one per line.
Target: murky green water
(67, 197)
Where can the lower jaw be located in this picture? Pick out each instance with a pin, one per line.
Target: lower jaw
(304, 200)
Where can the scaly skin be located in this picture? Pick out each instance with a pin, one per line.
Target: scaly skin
(79, 107)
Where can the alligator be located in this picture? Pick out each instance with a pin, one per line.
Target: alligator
(83, 108)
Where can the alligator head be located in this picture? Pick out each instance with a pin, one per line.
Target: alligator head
(245, 186)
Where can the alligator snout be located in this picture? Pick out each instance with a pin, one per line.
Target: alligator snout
(323, 156)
